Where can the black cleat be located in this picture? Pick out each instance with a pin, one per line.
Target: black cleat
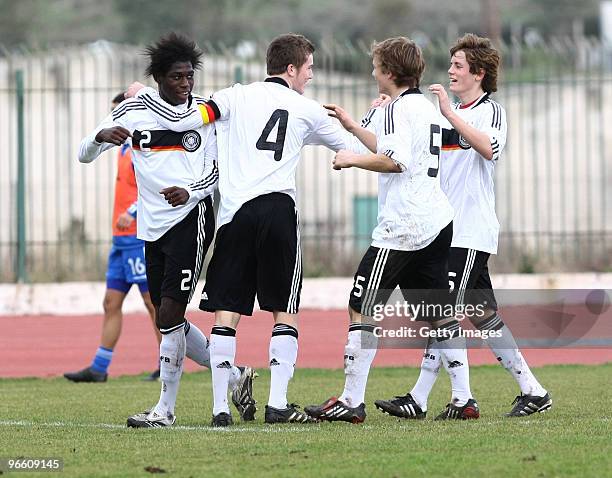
(291, 414)
(142, 415)
(401, 406)
(86, 375)
(222, 420)
(469, 411)
(333, 410)
(152, 420)
(527, 404)
(242, 397)
(152, 377)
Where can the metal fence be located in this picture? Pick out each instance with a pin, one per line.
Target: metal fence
(552, 182)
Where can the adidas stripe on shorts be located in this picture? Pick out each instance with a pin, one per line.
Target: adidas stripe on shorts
(382, 270)
(468, 274)
(174, 262)
(257, 252)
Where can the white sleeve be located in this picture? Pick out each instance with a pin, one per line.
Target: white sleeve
(394, 140)
(207, 182)
(224, 99)
(494, 125)
(89, 148)
(355, 146)
(327, 133)
(367, 122)
(201, 112)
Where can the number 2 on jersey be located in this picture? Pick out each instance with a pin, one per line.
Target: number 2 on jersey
(435, 141)
(145, 140)
(280, 117)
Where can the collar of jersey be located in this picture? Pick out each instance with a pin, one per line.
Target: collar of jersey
(411, 91)
(276, 79)
(474, 103)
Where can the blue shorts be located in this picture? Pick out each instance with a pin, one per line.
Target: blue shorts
(126, 267)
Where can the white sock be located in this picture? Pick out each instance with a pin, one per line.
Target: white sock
(222, 353)
(453, 353)
(198, 351)
(359, 353)
(283, 355)
(509, 355)
(171, 357)
(430, 368)
(197, 345)
(167, 397)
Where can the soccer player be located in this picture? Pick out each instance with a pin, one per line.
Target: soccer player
(176, 175)
(411, 241)
(261, 129)
(126, 266)
(473, 140)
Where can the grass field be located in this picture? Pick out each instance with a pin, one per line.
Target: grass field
(84, 425)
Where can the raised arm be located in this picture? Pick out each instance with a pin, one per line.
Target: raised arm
(109, 133)
(367, 138)
(489, 141)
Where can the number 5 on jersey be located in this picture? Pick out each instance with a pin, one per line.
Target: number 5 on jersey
(358, 287)
(280, 117)
(435, 142)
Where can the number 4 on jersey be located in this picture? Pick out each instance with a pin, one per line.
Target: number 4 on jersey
(280, 117)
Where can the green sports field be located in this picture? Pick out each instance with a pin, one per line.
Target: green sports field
(84, 425)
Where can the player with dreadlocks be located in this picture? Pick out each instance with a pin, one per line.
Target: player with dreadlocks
(176, 175)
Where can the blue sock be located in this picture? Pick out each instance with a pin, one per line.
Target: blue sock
(102, 360)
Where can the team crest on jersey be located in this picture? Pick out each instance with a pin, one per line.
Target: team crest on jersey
(463, 144)
(191, 141)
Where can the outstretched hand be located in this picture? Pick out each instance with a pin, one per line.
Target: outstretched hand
(341, 115)
(115, 135)
(175, 196)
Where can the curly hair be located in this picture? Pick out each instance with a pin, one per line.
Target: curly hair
(480, 55)
(285, 50)
(402, 57)
(168, 50)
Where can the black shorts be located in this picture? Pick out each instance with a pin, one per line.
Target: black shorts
(382, 270)
(469, 279)
(175, 260)
(258, 252)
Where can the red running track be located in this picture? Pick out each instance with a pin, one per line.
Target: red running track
(47, 346)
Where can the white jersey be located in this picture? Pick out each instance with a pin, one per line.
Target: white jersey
(260, 131)
(412, 209)
(161, 159)
(467, 177)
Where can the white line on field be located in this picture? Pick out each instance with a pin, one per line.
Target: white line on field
(266, 429)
